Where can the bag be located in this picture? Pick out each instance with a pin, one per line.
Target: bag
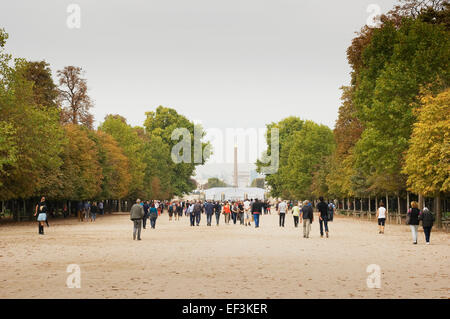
(408, 217)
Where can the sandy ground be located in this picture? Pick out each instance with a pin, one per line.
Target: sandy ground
(229, 261)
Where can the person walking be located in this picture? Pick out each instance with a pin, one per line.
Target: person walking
(241, 213)
(234, 212)
(257, 211)
(209, 210)
(322, 207)
(381, 216)
(217, 212)
(94, 210)
(296, 214)
(226, 212)
(87, 209)
(247, 212)
(282, 208)
(413, 220)
(171, 211)
(153, 214)
(427, 219)
(307, 217)
(80, 209)
(191, 213)
(136, 215)
(178, 211)
(198, 212)
(101, 208)
(331, 210)
(146, 207)
(41, 212)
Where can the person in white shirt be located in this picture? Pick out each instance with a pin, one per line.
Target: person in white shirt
(247, 212)
(381, 215)
(282, 209)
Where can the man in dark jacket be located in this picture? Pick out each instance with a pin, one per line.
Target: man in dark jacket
(322, 207)
(257, 211)
(136, 215)
(307, 216)
(198, 212)
(146, 207)
(427, 219)
(209, 209)
(217, 212)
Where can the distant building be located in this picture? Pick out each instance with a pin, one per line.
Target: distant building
(234, 193)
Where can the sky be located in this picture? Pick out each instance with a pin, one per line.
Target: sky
(224, 64)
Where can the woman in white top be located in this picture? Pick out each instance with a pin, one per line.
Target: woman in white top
(296, 214)
(381, 215)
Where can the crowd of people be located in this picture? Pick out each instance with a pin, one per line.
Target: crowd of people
(243, 212)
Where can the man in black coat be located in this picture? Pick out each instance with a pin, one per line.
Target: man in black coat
(322, 207)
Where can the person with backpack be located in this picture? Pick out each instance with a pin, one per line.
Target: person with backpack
(307, 217)
(427, 219)
(331, 210)
(412, 219)
(153, 214)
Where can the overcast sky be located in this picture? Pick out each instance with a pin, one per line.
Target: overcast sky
(227, 63)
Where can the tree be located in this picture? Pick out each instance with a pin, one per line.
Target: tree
(114, 165)
(45, 91)
(258, 182)
(397, 62)
(134, 149)
(74, 99)
(160, 125)
(303, 146)
(8, 148)
(286, 128)
(427, 162)
(214, 182)
(34, 135)
(81, 173)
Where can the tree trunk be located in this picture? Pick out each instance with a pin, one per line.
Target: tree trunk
(387, 208)
(438, 210)
(407, 201)
(399, 218)
(119, 208)
(421, 200)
